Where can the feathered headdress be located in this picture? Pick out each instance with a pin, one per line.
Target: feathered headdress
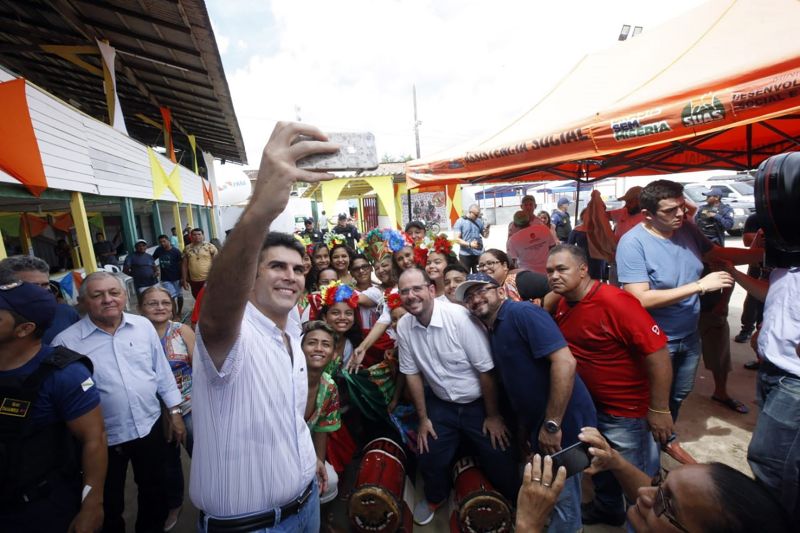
(332, 239)
(375, 246)
(336, 292)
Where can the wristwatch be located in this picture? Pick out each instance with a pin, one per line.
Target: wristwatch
(551, 426)
(175, 411)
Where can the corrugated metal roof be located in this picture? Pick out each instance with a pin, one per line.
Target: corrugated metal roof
(166, 56)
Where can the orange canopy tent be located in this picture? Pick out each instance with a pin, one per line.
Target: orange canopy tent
(716, 88)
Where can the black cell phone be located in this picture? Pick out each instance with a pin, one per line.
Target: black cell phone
(574, 458)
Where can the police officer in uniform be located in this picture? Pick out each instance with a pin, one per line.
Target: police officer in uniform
(53, 451)
(714, 218)
(313, 235)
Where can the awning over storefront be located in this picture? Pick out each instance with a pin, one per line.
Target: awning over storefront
(716, 88)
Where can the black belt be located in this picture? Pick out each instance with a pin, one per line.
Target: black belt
(259, 521)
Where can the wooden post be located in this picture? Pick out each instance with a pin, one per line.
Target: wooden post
(176, 215)
(78, 211)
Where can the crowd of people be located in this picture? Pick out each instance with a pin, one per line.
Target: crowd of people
(308, 346)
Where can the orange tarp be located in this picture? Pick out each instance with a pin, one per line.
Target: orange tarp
(716, 88)
(19, 150)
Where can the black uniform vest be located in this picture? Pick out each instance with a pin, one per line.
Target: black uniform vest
(30, 456)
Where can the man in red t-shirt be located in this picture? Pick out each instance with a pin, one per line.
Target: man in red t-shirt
(623, 360)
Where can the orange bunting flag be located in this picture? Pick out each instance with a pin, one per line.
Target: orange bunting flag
(19, 149)
(168, 144)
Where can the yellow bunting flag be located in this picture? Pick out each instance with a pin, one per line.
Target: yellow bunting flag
(161, 180)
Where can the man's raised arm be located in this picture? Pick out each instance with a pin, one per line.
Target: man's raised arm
(233, 272)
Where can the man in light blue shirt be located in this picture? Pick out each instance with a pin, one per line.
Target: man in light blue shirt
(469, 231)
(660, 262)
(131, 374)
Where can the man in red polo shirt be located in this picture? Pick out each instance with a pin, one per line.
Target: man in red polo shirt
(622, 358)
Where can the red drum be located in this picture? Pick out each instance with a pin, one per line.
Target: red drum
(479, 507)
(376, 503)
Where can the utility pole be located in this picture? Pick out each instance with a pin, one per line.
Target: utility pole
(416, 138)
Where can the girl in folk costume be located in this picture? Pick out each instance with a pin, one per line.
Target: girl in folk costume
(439, 256)
(339, 306)
(302, 302)
(341, 256)
(379, 248)
(322, 406)
(320, 260)
(324, 278)
(402, 249)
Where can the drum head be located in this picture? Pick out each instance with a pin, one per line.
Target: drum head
(372, 508)
(485, 512)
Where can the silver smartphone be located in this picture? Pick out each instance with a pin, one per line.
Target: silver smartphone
(357, 152)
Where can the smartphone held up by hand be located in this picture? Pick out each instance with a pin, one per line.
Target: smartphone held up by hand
(356, 152)
(575, 459)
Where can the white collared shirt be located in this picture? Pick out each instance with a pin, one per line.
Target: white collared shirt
(130, 371)
(450, 353)
(252, 448)
(780, 329)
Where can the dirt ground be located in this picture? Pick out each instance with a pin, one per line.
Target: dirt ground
(707, 429)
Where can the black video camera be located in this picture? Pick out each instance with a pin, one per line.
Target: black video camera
(777, 192)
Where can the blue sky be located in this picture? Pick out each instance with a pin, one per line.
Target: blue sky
(349, 65)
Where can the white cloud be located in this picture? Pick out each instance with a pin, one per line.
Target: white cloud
(241, 44)
(350, 65)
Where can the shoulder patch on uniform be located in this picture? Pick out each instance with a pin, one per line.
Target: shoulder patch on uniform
(88, 384)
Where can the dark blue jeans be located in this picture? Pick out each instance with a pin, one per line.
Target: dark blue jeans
(451, 422)
(630, 437)
(774, 451)
(174, 467)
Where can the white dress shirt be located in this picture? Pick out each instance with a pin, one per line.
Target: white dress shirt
(130, 371)
(780, 329)
(252, 448)
(450, 353)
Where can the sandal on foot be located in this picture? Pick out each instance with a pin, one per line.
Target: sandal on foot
(732, 404)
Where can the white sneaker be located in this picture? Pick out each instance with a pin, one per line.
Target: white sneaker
(424, 512)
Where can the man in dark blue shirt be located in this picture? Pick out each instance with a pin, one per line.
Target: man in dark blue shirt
(538, 373)
(169, 263)
(141, 267)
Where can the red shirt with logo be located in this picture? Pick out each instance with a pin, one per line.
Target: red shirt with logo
(610, 334)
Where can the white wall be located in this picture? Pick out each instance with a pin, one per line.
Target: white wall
(82, 154)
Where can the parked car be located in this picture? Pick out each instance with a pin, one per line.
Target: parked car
(737, 194)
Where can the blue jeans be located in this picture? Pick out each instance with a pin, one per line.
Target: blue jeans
(451, 422)
(566, 516)
(630, 437)
(305, 521)
(774, 451)
(685, 355)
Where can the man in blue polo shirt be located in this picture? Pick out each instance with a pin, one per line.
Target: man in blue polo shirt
(538, 373)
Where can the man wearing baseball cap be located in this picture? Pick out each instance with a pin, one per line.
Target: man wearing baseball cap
(714, 218)
(538, 371)
(47, 399)
(309, 231)
(560, 219)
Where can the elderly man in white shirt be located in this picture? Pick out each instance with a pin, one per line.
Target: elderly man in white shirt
(131, 374)
(440, 342)
(253, 466)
